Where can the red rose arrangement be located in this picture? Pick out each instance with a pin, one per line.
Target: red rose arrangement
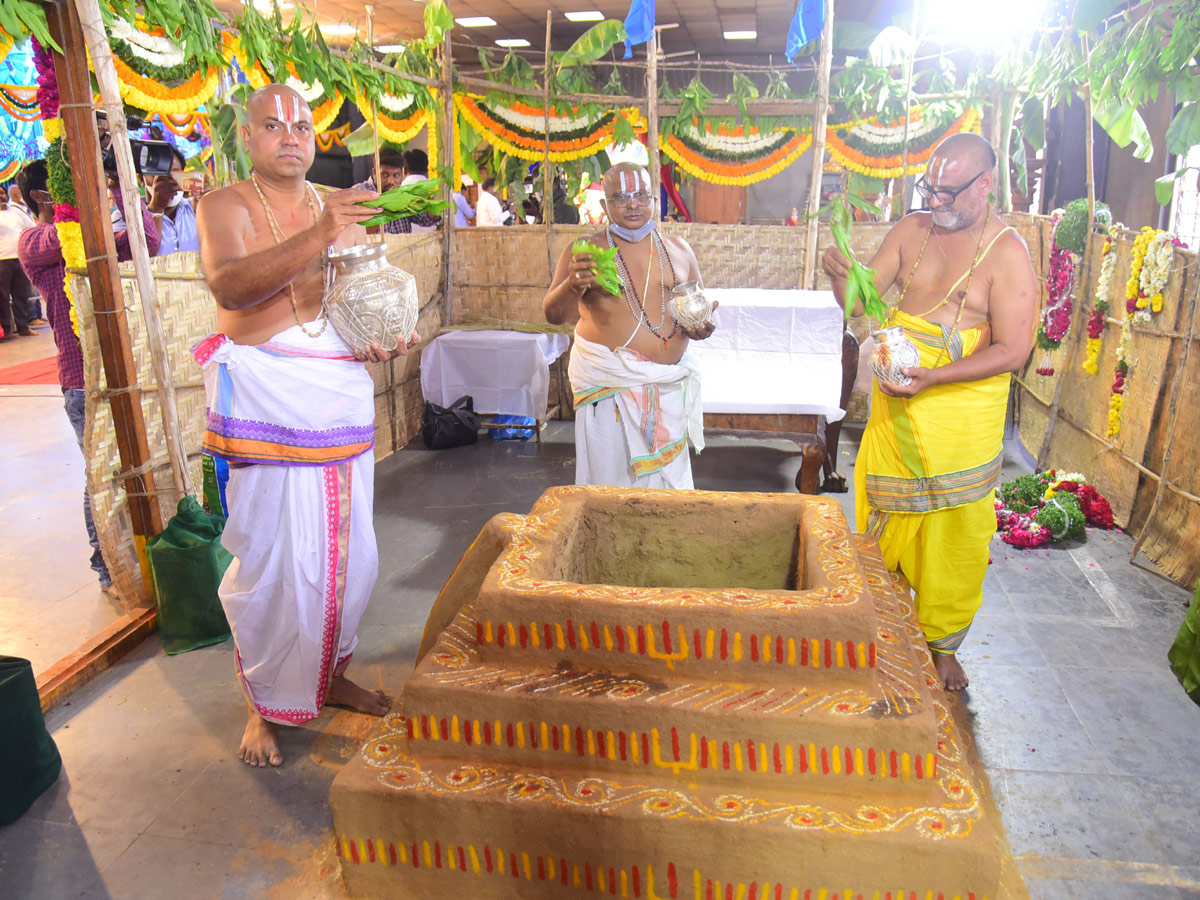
(1029, 515)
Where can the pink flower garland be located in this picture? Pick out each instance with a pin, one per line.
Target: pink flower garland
(1056, 317)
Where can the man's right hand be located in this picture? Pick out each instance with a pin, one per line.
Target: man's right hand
(341, 211)
(581, 275)
(835, 264)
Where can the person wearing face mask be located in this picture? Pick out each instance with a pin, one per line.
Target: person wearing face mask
(930, 456)
(637, 390)
(174, 217)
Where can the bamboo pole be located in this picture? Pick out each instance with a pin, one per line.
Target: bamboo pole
(809, 277)
(374, 111)
(1173, 418)
(106, 77)
(448, 138)
(547, 177)
(652, 119)
(79, 129)
(909, 65)
(1085, 268)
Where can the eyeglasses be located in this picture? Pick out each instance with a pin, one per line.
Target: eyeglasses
(624, 201)
(945, 196)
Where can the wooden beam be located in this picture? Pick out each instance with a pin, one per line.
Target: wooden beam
(447, 148)
(652, 118)
(91, 188)
(95, 655)
(547, 177)
(781, 107)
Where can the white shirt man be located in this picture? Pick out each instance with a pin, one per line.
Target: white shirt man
(487, 207)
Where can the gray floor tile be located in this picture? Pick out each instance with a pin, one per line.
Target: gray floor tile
(53, 860)
(1167, 813)
(1000, 640)
(1091, 646)
(1140, 722)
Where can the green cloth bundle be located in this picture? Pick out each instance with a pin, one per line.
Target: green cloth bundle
(1184, 655)
(407, 200)
(606, 265)
(860, 284)
(29, 761)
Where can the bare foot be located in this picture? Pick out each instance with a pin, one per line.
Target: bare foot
(948, 669)
(260, 743)
(344, 692)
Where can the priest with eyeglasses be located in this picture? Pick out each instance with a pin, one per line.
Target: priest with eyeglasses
(636, 388)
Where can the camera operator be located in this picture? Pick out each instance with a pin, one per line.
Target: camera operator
(40, 254)
(172, 210)
(161, 191)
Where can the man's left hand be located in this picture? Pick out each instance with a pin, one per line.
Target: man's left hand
(375, 353)
(705, 329)
(921, 379)
(165, 187)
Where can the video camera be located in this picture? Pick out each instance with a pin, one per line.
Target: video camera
(149, 157)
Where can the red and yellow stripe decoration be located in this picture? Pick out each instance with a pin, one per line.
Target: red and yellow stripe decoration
(327, 140)
(877, 148)
(518, 129)
(20, 101)
(183, 124)
(10, 169)
(396, 118)
(725, 154)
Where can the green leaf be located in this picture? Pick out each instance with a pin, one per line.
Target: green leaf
(361, 141)
(1124, 124)
(1033, 123)
(623, 133)
(865, 205)
(438, 20)
(1184, 131)
(857, 183)
(593, 43)
(1164, 187)
(1090, 13)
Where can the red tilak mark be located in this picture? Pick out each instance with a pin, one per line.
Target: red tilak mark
(501, 631)
(777, 760)
(425, 727)
(587, 872)
(487, 733)
(849, 767)
(412, 728)
(437, 854)
(462, 860)
(724, 644)
(620, 639)
(601, 745)
(523, 634)
(672, 880)
(871, 762)
(641, 639)
(919, 766)
(392, 854)
(753, 891)
(371, 851)
(802, 757)
(751, 756)
(541, 869)
(666, 630)
(708, 891)
(779, 892)
(803, 652)
(487, 857)
(696, 643)
(895, 768)
(728, 891)
(512, 865)
(850, 653)
(824, 760)
(779, 650)
(725, 754)
(549, 637)
(508, 734)
(828, 653)
(468, 733)
(554, 738)
(703, 753)
(445, 730)
(571, 634)
(645, 749)
(595, 635)
(637, 882)
(675, 743)
(354, 851)
(621, 745)
(579, 747)
(478, 632)
(562, 865)
(933, 773)
(871, 656)
(416, 862)
(612, 882)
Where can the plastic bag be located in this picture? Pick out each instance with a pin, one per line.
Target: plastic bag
(513, 434)
(187, 563)
(29, 760)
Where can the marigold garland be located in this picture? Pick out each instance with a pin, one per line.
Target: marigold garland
(734, 173)
(147, 94)
(434, 157)
(568, 138)
(1100, 306)
(20, 102)
(399, 128)
(10, 169)
(877, 149)
(326, 113)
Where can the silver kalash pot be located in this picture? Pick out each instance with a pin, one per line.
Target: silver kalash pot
(690, 306)
(371, 301)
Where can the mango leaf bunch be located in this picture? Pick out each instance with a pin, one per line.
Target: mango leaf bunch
(860, 284)
(606, 265)
(407, 200)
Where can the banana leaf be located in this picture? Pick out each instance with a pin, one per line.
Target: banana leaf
(593, 44)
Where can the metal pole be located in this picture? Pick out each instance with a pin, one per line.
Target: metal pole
(809, 276)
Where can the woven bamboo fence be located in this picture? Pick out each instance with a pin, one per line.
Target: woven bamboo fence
(188, 313)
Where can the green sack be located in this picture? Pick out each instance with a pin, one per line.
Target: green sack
(187, 563)
(29, 761)
(1184, 655)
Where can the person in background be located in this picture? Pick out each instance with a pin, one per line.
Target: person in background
(15, 199)
(416, 168)
(488, 211)
(41, 256)
(15, 290)
(565, 213)
(391, 173)
(792, 218)
(464, 213)
(173, 213)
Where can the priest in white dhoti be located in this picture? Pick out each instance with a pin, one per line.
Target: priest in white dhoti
(291, 409)
(636, 388)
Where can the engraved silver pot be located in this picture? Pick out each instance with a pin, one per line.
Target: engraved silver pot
(894, 350)
(371, 301)
(690, 306)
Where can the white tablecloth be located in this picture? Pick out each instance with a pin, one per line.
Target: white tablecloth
(773, 352)
(506, 372)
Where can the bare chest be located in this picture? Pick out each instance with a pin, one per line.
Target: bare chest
(949, 283)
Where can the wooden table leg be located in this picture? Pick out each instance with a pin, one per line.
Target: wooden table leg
(808, 478)
(835, 482)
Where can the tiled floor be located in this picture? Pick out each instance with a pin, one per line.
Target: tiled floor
(1090, 744)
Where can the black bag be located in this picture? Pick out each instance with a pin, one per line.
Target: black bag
(443, 427)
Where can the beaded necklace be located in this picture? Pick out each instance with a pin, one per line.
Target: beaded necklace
(629, 289)
(278, 235)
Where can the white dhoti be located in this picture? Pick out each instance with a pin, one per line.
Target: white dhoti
(634, 418)
(294, 417)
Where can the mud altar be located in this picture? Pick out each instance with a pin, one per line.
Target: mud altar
(668, 694)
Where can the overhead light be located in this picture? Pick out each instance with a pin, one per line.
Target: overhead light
(512, 42)
(591, 15)
(740, 35)
(390, 48)
(267, 5)
(476, 21)
(340, 28)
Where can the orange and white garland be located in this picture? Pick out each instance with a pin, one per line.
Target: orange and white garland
(733, 155)
(876, 148)
(396, 118)
(520, 129)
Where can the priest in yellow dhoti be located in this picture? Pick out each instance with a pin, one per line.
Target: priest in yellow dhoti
(931, 453)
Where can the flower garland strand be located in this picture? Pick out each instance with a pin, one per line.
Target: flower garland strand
(1100, 306)
(66, 215)
(1056, 317)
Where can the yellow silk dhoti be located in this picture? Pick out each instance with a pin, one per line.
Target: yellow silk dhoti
(925, 482)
